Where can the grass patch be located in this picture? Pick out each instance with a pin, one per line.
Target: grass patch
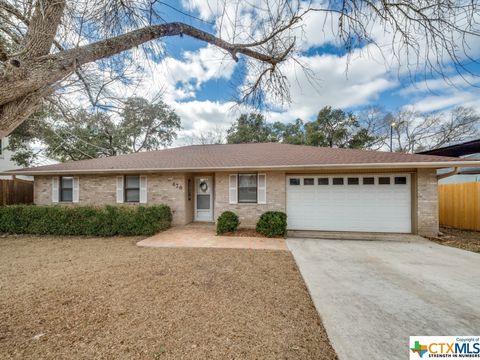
(105, 298)
(462, 239)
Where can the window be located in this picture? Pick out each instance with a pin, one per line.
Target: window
(247, 188)
(323, 181)
(400, 180)
(294, 181)
(132, 188)
(203, 202)
(337, 181)
(353, 181)
(309, 181)
(368, 181)
(66, 188)
(383, 180)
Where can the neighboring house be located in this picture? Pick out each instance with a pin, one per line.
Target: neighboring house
(6, 162)
(5, 156)
(322, 189)
(466, 150)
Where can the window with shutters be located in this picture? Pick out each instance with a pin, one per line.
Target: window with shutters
(132, 188)
(247, 188)
(66, 189)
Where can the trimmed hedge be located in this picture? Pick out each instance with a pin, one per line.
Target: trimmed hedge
(227, 222)
(272, 224)
(105, 220)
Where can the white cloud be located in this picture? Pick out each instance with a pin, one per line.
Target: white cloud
(443, 93)
(179, 79)
(198, 116)
(441, 84)
(363, 83)
(451, 99)
(202, 116)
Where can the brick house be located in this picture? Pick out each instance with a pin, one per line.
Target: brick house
(323, 189)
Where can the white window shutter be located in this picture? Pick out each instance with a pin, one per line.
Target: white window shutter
(232, 187)
(55, 188)
(143, 189)
(262, 189)
(119, 189)
(76, 190)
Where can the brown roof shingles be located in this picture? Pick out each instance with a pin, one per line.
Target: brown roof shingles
(259, 155)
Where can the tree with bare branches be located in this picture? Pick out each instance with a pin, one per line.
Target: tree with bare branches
(216, 135)
(414, 131)
(47, 43)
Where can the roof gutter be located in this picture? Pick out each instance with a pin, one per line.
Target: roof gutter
(425, 165)
(451, 173)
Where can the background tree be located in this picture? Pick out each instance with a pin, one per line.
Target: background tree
(290, 133)
(414, 131)
(250, 128)
(148, 126)
(374, 119)
(54, 41)
(65, 135)
(214, 136)
(336, 128)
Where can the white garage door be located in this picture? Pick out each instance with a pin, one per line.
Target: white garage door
(374, 203)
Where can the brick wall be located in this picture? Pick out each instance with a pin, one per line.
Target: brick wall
(169, 189)
(427, 202)
(249, 213)
(42, 190)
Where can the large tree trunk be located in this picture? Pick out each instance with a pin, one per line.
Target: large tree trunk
(38, 41)
(31, 75)
(43, 28)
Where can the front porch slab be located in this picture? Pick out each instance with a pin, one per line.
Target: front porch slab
(202, 235)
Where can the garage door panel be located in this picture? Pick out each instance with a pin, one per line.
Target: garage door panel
(373, 208)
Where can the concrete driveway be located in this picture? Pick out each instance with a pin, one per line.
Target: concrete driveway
(372, 295)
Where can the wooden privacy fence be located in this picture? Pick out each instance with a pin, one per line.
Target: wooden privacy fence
(459, 205)
(16, 191)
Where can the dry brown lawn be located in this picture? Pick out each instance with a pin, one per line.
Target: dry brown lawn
(105, 298)
(462, 239)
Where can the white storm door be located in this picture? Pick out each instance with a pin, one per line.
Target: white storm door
(203, 198)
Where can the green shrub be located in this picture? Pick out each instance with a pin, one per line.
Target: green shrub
(272, 224)
(227, 222)
(84, 220)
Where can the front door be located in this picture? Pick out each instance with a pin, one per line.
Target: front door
(203, 198)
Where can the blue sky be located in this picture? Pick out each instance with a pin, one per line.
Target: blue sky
(199, 81)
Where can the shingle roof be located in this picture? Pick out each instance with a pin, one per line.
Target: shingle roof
(261, 155)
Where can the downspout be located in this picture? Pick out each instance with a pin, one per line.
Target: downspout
(451, 173)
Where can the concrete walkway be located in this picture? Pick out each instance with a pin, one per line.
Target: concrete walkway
(373, 295)
(202, 235)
